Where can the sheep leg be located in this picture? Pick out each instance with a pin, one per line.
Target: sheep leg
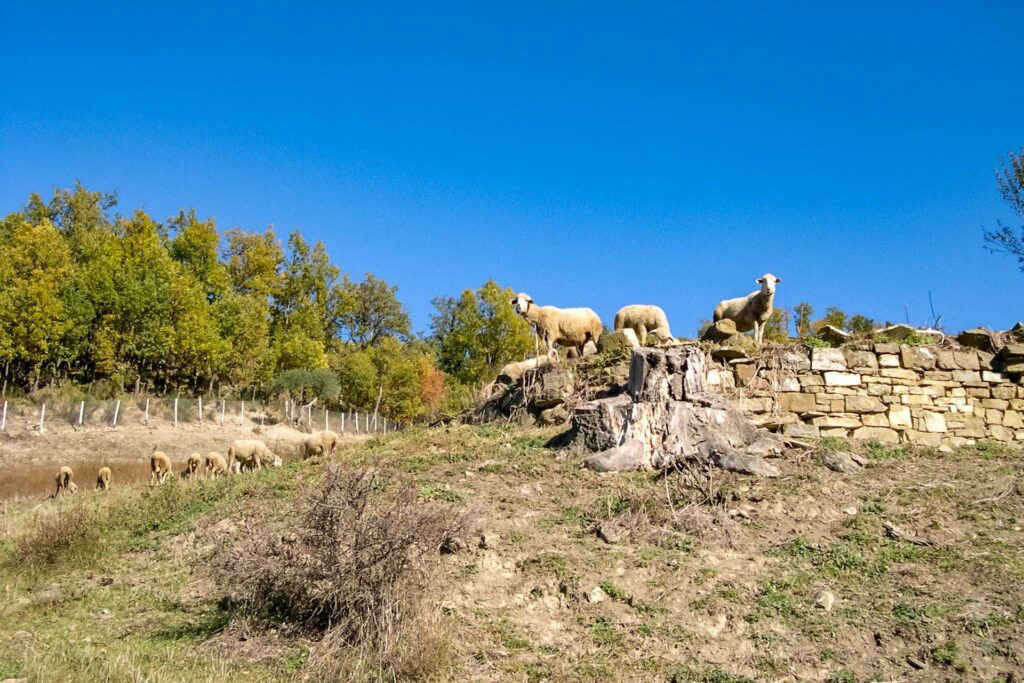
(641, 334)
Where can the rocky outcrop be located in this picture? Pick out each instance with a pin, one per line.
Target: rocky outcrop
(668, 417)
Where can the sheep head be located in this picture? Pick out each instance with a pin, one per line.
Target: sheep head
(522, 303)
(768, 282)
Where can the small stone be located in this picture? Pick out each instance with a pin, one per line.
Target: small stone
(595, 595)
(607, 534)
(850, 511)
(915, 663)
(823, 600)
(489, 540)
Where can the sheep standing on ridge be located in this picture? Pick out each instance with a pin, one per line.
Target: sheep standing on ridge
(103, 479)
(159, 466)
(64, 483)
(751, 312)
(571, 327)
(643, 320)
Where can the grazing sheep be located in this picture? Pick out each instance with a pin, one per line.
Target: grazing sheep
(192, 466)
(571, 327)
(216, 465)
(642, 319)
(752, 311)
(249, 453)
(159, 466)
(321, 443)
(64, 484)
(103, 479)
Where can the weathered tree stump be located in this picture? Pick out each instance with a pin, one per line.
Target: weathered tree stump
(667, 417)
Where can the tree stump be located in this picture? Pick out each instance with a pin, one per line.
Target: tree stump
(666, 417)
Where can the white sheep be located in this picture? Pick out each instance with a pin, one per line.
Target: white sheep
(643, 319)
(64, 481)
(571, 327)
(103, 479)
(159, 467)
(192, 466)
(215, 464)
(750, 312)
(249, 453)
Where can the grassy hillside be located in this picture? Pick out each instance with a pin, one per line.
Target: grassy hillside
(578, 576)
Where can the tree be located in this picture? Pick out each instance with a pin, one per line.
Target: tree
(834, 317)
(803, 312)
(478, 333)
(1010, 181)
(370, 312)
(776, 329)
(861, 324)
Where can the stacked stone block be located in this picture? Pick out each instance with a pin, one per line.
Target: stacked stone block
(891, 393)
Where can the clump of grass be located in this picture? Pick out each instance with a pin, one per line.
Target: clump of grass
(948, 654)
(70, 537)
(612, 590)
(883, 453)
(834, 443)
(354, 574)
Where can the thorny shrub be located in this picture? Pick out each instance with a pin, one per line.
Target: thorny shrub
(355, 570)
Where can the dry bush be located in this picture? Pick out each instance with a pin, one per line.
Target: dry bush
(68, 536)
(354, 571)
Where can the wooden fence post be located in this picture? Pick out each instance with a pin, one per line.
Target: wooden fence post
(343, 422)
(222, 412)
(175, 411)
(117, 409)
(327, 423)
(81, 412)
(3, 420)
(241, 413)
(42, 415)
(200, 410)
(147, 411)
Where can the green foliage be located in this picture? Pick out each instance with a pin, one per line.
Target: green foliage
(817, 343)
(303, 385)
(1010, 181)
(861, 324)
(777, 327)
(478, 333)
(834, 317)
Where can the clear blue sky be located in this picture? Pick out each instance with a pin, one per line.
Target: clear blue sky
(592, 154)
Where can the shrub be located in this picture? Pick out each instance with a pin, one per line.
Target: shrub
(354, 571)
(70, 536)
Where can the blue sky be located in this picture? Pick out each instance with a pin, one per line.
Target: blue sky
(592, 154)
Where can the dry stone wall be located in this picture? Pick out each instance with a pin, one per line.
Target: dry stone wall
(927, 395)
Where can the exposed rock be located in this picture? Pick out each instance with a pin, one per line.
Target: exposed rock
(823, 600)
(596, 595)
(917, 358)
(837, 461)
(553, 416)
(978, 338)
(515, 370)
(879, 434)
(864, 404)
(828, 359)
(720, 331)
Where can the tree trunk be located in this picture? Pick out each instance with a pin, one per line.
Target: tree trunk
(666, 417)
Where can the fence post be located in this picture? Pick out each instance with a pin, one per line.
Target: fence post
(200, 410)
(222, 412)
(287, 415)
(343, 422)
(175, 411)
(327, 423)
(81, 412)
(375, 422)
(42, 414)
(241, 413)
(3, 420)
(117, 409)
(147, 411)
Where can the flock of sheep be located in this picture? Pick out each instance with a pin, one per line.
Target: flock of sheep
(574, 327)
(243, 455)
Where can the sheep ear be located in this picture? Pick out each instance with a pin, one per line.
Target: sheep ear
(759, 280)
(778, 279)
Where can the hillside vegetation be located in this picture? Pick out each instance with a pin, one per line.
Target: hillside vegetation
(513, 565)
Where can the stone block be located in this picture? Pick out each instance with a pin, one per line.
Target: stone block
(939, 375)
(993, 377)
(966, 376)
(812, 380)
(861, 359)
(879, 434)
(1000, 433)
(899, 417)
(841, 379)
(1003, 391)
(864, 404)
(791, 402)
(745, 372)
(1013, 420)
(879, 389)
(889, 348)
(888, 360)
(933, 422)
(801, 430)
(875, 420)
(899, 373)
(827, 359)
(845, 421)
(968, 360)
(993, 417)
(997, 403)
(917, 357)
(837, 432)
(945, 360)
(931, 440)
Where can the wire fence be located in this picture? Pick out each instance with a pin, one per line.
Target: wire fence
(91, 413)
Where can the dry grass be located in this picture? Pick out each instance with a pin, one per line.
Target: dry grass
(355, 572)
(66, 535)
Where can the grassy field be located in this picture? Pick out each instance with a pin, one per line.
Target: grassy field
(560, 574)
